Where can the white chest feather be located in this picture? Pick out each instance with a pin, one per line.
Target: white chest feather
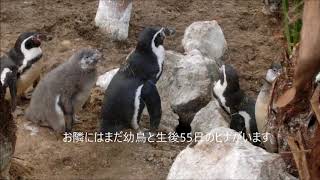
(261, 107)
(29, 54)
(134, 121)
(59, 111)
(219, 89)
(159, 52)
(3, 75)
(28, 77)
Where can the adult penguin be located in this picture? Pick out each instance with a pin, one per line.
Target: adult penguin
(134, 85)
(8, 137)
(8, 78)
(26, 55)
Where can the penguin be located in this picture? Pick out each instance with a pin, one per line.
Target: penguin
(8, 137)
(8, 78)
(63, 91)
(244, 118)
(26, 55)
(134, 85)
(235, 102)
(263, 102)
(227, 89)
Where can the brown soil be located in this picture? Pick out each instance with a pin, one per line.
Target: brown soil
(253, 41)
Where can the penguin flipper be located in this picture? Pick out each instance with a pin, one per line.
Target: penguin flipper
(233, 100)
(151, 97)
(68, 110)
(237, 123)
(12, 84)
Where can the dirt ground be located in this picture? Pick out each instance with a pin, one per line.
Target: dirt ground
(253, 39)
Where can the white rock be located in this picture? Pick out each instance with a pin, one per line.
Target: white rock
(113, 18)
(105, 79)
(208, 118)
(169, 120)
(30, 127)
(207, 37)
(229, 159)
(185, 82)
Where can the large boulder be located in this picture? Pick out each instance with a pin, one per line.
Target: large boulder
(224, 154)
(169, 119)
(209, 117)
(104, 80)
(185, 83)
(207, 37)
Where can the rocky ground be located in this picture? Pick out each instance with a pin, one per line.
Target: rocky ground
(253, 39)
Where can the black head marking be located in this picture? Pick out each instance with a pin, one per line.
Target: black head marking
(237, 123)
(153, 34)
(145, 39)
(34, 40)
(232, 79)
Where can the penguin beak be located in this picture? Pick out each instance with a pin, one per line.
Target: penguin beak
(169, 31)
(36, 40)
(43, 37)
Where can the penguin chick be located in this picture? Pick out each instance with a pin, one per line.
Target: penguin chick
(134, 85)
(64, 90)
(8, 77)
(227, 89)
(26, 55)
(263, 101)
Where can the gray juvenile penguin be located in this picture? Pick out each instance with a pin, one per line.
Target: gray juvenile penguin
(262, 106)
(64, 90)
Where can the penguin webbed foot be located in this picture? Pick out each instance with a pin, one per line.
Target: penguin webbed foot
(148, 133)
(69, 122)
